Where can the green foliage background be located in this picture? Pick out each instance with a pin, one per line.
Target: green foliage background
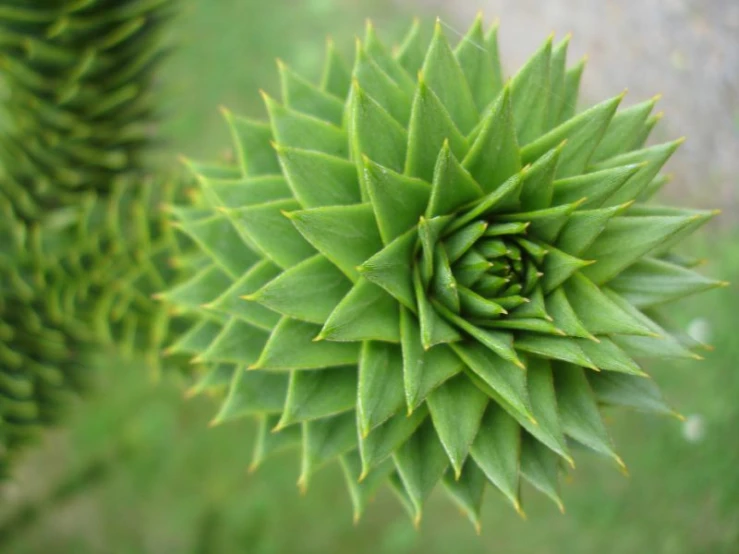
(170, 484)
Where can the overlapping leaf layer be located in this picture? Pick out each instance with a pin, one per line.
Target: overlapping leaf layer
(432, 274)
(79, 107)
(84, 277)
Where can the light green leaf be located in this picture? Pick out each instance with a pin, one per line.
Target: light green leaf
(374, 132)
(423, 370)
(582, 133)
(196, 339)
(336, 76)
(268, 443)
(363, 492)
(434, 329)
(391, 268)
(595, 187)
(606, 355)
(496, 451)
(319, 394)
(252, 141)
(253, 393)
(346, 235)
(500, 200)
(412, 50)
(557, 70)
(452, 187)
(238, 343)
(494, 155)
(382, 57)
(581, 419)
(544, 224)
(571, 90)
(302, 96)
(380, 391)
(474, 59)
(456, 409)
(467, 491)
(293, 293)
(201, 288)
(537, 190)
(460, 241)
(237, 193)
(625, 131)
(447, 80)
(338, 183)
(380, 86)
(398, 200)
(558, 267)
(584, 227)
(323, 441)
(529, 91)
(563, 316)
(367, 312)
(430, 127)
(299, 130)
(554, 348)
(268, 228)
(292, 346)
(443, 285)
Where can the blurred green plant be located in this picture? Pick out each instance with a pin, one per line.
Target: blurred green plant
(432, 275)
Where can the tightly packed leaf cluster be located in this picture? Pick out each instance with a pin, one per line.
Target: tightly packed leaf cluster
(78, 74)
(83, 277)
(432, 274)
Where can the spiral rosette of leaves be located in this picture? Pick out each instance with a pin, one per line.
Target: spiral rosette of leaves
(83, 278)
(431, 274)
(79, 76)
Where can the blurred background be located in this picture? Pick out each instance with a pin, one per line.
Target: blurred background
(137, 470)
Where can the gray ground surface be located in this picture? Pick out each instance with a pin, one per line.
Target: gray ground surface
(688, 50)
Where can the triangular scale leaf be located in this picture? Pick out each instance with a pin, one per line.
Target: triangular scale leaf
(476, 63)
(324, 440)
(540, 467)
(628, 391)
(537, 190)
(380, 391)
(300, 95)
(200, 289)
(528, 87)
(467, 490)
(253, 393)
(452, 186)
(554, 348)
(363, 492)
(594, 187)
(238, 343)
(252, 140)
(386, 439)
(336, 76)
(391, 268)
(319, 394)
(412, 50)
(584, 227)
(382, 57)
(380, 86)
(625, 130)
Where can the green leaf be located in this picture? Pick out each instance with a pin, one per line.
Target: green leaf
(459, 242)
(391, 268)
(336, 76)
(571, 89)
(581, 419)
(253, 393)
(650, 282)
(528, 87)
(434, 329)
(564, 317)
(374, 132)
(477, 65)
(293, 293)
(380, 87)
(598, 313)
(423, 370)
(213, 381)
(447, 80)
(367, 312)
(319, 394)
(544, 224)
(232, 302)
(398, 200)
(499, 342)
(292, 346)
(500, 200)
(299, 130)
(558, 267)
(494, 155)
(584, 227)
(540, 467)
(421, 462)
(626, 239)
(252, 141)
(238, 343)
(467, 491)
(496, 451)
(217, 238)
(557, 70)
(337, 185)
(323, 441)
(196, 339)
(380, 391)
(555, 348)
(582, 133)
(623, 132)
(346, 235)
(200, 289)
(545, 425)
(237, 193)
(411, 51)
(606, 355)
(302, 96)
(430, 128)
(268, 228)
(629, 391)
(268, 443)
(382, 57)
(452, 187)
(475, 306)
(387, 438)
(363, 492)
(456, 409)
(537, 190)
(595, 187)
(654, 156)
(506, 380)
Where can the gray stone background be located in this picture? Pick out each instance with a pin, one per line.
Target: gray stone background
(687, 50)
